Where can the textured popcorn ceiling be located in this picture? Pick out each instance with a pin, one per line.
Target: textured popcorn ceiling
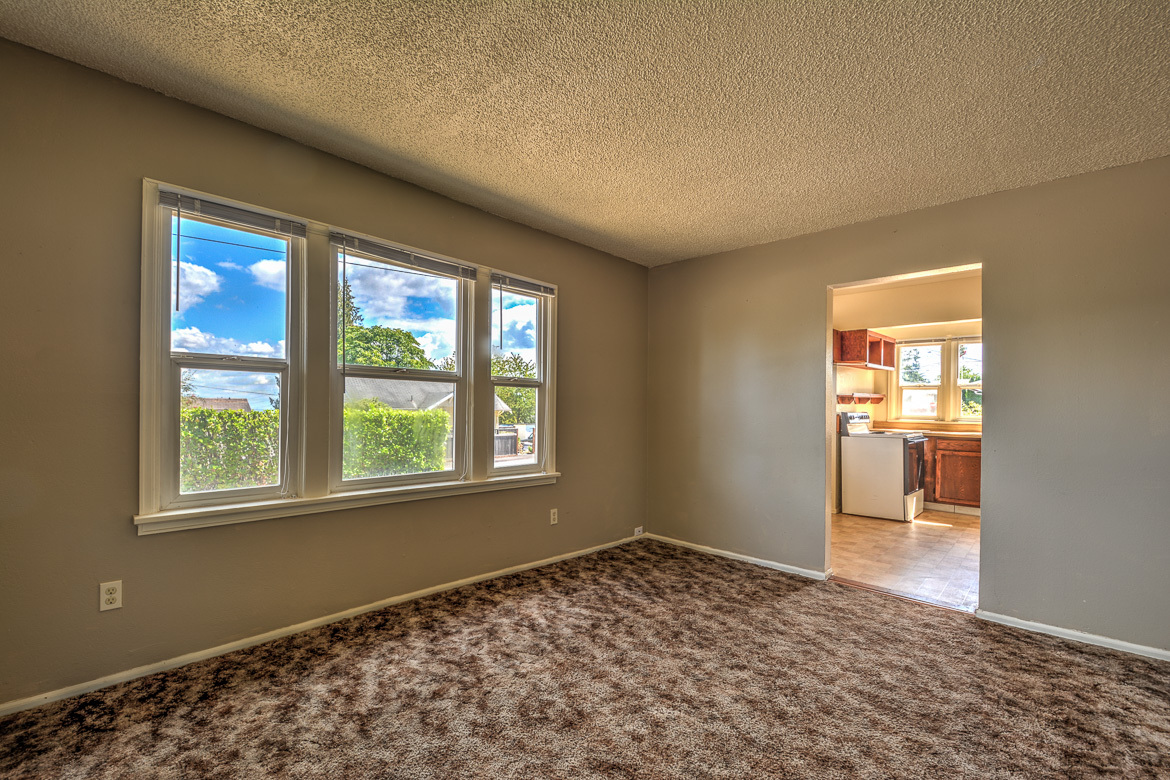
(665, 129)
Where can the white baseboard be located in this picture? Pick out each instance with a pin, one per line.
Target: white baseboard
(810, 573)
(1076, 636)
(7, 708)
(952, 508)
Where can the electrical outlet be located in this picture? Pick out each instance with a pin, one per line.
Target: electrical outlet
(552, 517)
(638, 531)
(110, 595)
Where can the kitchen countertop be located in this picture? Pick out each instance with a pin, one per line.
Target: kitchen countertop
(941, 434)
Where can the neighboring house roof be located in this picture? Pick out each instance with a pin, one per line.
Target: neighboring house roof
(219, 404)
(404, 393)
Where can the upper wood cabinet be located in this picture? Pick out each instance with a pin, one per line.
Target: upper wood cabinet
(864, 349)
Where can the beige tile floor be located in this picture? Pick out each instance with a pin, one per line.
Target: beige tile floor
(935, 558)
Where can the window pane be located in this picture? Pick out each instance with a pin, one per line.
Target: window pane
(970, 363)
(515, 443)
(229, 430)
(518, 314)
(972, 402)
(395, 316)
(920, 403)
(396, 426)
(921, 365)
(231, 290)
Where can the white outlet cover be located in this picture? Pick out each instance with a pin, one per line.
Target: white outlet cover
(638, 531)
(110, 595)
(552, 517)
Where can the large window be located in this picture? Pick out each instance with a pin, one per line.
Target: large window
(220, 342)
(939, 380)
(400, 355)
(519, 372)
(246, 415)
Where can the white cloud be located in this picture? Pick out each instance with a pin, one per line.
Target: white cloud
(231, 265)
(437, 345)
(195, 284)
(382, 293)
(269, 273)
(194, 340)
(519, 328)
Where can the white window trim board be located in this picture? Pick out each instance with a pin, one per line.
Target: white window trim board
(224, 514)
(312, 476)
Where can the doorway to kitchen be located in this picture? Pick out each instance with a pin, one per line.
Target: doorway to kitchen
(905, 409)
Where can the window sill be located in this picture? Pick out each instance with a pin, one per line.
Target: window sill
(226, 514)
(930, 425)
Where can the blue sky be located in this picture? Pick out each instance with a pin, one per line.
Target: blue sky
(396, 297)
(231, 302)
(231, 291)
(520, 313)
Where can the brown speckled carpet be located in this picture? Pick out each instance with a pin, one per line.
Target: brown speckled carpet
(641, 661)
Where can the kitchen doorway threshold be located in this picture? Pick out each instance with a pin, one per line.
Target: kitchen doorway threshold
(887, 592)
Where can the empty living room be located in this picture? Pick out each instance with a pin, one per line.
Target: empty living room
(444, 389)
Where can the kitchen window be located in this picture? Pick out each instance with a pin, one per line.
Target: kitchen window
(939, 380)
(970, 380)
(243, 417)
(920, 377)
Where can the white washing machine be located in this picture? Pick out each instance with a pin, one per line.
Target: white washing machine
(882, 472)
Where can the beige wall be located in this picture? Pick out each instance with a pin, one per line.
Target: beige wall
(938, 299)
(1076, 275)
(76, 145)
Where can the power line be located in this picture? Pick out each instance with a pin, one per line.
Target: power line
(232, 390)
(232, 243)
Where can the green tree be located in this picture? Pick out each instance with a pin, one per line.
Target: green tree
(972, 399)
(520, 400)
(374, 345)
(447, 363)
(187, 388)
(348, 312)
(967, 375)
(912, 367)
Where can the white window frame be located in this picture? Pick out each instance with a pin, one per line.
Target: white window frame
(461, 422)
(161, 368)
(949, 406)
(312, 393)
(960, 385)
(545, 372)
(938, 388)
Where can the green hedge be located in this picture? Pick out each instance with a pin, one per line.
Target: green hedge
(380, 440)
(223, 449)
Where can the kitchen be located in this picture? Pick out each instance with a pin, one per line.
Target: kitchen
(906, 460)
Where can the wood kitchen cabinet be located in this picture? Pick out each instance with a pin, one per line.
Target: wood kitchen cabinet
(863, 349)
(952, 470)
